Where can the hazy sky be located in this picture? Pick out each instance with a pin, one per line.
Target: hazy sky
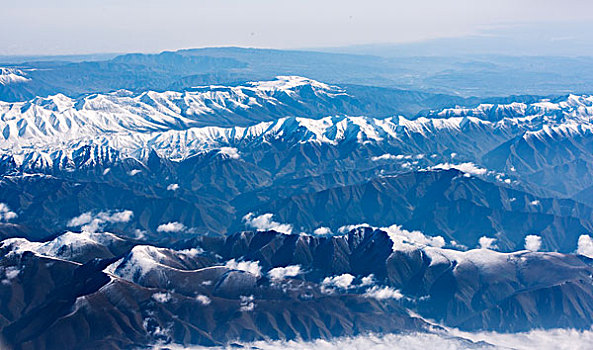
(90, 26)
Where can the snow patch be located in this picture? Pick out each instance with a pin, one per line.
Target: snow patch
(230, 152)
(162, 297)
(247, 303)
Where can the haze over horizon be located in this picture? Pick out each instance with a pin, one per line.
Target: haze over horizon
(69, 27)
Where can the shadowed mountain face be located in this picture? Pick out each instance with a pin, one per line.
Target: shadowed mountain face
(435, 202)
(267, 285)
(440, 203)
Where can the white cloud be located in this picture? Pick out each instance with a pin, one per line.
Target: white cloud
(280, 273)
(404, 239)
(386, 156)
(173, 226)
(230, 152)
(172, 187)
(408, 341)
(140, 234)
(202, 299)
(322, 231)
(533, 243)
(381, 293)
(248, 266)
(468, 167)
(134, 172)
(162, 297)
(487, 242)
(80, 220)
(554, 339)
(343, 281)
(92, 223)
(193, 252)
(120, 216)
(5, 213)
(585, 246)
(10, 272)
(347, 228)
(535, 202)
(458, 246)
(264, 222)
(368, 280)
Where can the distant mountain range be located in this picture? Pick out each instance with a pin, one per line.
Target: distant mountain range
(458, 75)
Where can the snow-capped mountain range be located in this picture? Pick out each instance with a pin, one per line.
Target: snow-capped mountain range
(286, 209)
(47, 131)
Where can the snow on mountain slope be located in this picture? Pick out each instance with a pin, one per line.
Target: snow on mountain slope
(573, 106)
(101, 147)
(102, 144)
(12, 76)
(143, 259)
(69, 245)
(122, 111)
(53, 131)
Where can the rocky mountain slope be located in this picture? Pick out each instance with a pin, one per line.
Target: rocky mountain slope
(268, 285)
